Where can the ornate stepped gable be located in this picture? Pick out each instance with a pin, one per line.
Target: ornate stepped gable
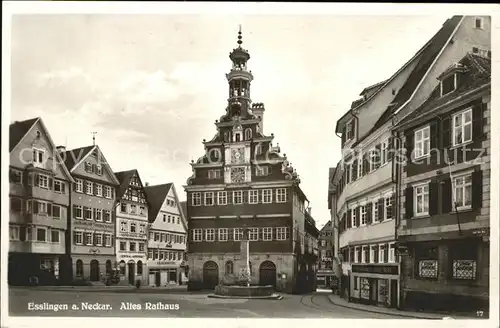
(240, 145)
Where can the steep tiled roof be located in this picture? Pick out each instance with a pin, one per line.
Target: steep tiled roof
(18, 130)
(156, 196)
(432, 50)
(478, 73)
(73, 156)
(374, 86)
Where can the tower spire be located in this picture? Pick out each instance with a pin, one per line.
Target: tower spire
(239, 35)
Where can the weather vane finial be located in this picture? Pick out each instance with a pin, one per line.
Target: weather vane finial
(239, 35)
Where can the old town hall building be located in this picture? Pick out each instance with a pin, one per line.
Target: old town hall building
(243, 182)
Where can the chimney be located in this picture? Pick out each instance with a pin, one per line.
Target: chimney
(147, 184)
(258, 110)
(61, 149)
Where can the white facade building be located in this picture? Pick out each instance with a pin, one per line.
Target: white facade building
(131, 227)
(166, 245)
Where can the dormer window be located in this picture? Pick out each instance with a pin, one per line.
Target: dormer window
(479, 23)
(349, 130)
(448, 84)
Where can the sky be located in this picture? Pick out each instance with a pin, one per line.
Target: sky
(152, 86)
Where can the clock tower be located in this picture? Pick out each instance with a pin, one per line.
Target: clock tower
(242, 182)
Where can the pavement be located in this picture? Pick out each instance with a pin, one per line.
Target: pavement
(174, 302)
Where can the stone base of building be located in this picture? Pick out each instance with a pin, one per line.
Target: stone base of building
(209, 270)
(33, 268)
(92, 267)
(426, 301)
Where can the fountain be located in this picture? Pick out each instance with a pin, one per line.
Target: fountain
(243, 287)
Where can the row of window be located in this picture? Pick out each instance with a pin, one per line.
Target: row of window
(168, 238)
(461, 133)
(38, 207)
(126, 226)
(91, 214)
(132, 246)
(132, 209)
(380, 210)
(38, 180)
(93, 238)
(39, 234)
(259, 171)
(236, 234)
(171, 219)
(264, 196)
(379, 253)
(461, 195)
(159, 254)
(94, 189)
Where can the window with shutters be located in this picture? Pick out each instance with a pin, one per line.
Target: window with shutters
(78, 211)
(196, 199)
(89, 188)
(366, 254)
(351, 254)
(462, 192)
(238, 197)
(98, 189)
(362, 213)
(56, 212)
(106, 215)
(98, 238)
(98, 214)
(237, 234)
(281, 233)
(267, 196)
(123, 226)
(87, 213)
(222, 197)
(58, 186)
(359, 254)
(78, 237)
(253, 234)
(267, 234)
(448, 84)
(38, 157)
(375, 210)
(222, 234)
(209, 234)
(78, 185)
(384, 152)
(209, 198)
(373, 158)
(373, 252)
(14, 232)
(392, 253)
(421, 199)
(422, 142)
(462, 127)
(108, 192)
(360, 167)
(281, 195)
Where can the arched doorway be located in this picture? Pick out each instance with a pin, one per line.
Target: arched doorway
(131, 272)
(267, 274)
(94, 270)
(79, 268)
(210, 274)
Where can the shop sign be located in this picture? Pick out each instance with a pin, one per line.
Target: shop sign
(377, 269)
(124, 257)
(165, 263)
(92, 224)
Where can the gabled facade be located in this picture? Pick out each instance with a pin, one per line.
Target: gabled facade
(367, 193)
(445, 219)
(131, 212)
(166, 245)
(242, 181)
(39, 196)
(326, 249)
(93, 202)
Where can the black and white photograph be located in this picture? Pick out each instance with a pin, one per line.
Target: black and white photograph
(233, 160)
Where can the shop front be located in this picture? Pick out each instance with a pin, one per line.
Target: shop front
(131, 267)
(164, 273)
(325, 278)
(375, 284)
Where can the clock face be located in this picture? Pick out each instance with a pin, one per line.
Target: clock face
(237, 155)
(237, 175)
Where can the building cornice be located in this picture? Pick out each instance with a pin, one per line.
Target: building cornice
(231, 123)
(205, 165)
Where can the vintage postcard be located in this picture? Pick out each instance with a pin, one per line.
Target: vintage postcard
(231, 161)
